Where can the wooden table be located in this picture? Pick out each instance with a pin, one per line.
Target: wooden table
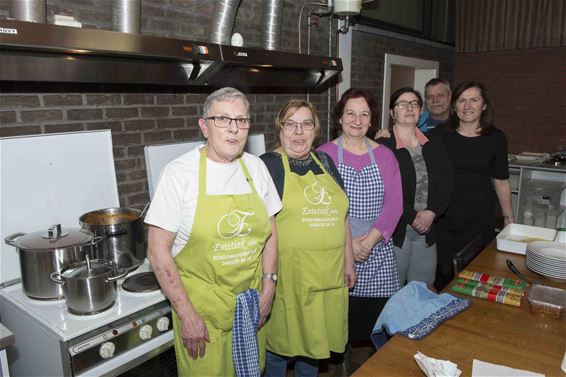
(487, 331)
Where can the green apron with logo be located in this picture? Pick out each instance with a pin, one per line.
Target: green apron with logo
(310, 311)
(221, 259)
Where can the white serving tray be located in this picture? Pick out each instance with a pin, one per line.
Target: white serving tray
(515, 237)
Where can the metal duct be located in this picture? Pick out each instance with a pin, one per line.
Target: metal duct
(222, 21)
(272, 11)
(126, 16)
(28, 10)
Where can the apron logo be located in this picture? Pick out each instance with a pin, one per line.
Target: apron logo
(317, 194)
(234, 224)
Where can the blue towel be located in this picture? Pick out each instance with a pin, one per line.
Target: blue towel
(415, 311)
(244, 336)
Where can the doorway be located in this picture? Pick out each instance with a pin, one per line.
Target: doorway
(400, 71)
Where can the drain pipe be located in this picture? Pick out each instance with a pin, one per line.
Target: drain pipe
(222, 21)
(329, 110)
(272, 11)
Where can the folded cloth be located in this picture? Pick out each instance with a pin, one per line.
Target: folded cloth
(483, 369)
(492, 279)
(486, 291)
(415, 311)
(244, 336)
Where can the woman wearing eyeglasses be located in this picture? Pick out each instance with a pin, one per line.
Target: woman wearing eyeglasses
(309, 315)
(373, 183)
(212, 238)
(478, 152)
(426, 174)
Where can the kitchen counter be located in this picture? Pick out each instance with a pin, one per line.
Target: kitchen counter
(491, 332)
(514, 163)
(6, 337)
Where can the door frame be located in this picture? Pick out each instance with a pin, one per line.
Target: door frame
(424, 71)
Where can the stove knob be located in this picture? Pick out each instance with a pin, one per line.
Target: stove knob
(107, 350)
(145, 332)
(163, 324)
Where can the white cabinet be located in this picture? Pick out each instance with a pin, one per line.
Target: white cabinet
(536, 189)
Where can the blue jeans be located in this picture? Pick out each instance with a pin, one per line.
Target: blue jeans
(276, 366)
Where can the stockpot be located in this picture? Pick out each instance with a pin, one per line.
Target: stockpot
(44, 252)
(89, 286)
(123, 235)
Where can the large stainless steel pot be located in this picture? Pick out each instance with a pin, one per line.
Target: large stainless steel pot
(124, 237)
(44, 252)
(90, 286)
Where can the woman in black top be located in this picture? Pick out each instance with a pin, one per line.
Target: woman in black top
(478, 152)
(426, 176)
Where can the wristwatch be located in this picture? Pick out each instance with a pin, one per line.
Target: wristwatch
(271, 276)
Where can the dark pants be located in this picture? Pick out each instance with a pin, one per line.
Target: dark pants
(362, 315)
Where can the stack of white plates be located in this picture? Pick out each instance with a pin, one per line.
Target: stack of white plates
(547, 258)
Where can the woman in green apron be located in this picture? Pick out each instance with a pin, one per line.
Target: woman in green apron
(316, 266)
(212, 237)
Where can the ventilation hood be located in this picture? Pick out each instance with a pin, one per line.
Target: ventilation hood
(50, 53)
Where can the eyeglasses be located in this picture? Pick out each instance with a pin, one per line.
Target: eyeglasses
(225, 122)
(306, 125)
(405, 104)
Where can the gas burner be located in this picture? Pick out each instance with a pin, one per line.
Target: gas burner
(141, 283)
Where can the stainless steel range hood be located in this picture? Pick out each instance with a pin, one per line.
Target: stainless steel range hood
(49, 53)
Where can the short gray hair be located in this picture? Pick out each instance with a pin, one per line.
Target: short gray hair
(436, 81)
(224, 94)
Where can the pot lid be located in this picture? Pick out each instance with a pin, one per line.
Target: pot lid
(55, 237)
(98, 267)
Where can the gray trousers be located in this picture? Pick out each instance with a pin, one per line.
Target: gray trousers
(415, 261)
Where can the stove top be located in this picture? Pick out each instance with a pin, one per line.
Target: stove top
(555, 161)
(141, 283)
(55, 318)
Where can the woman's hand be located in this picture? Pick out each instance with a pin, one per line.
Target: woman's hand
(361, 251)
(194, 335)
(382, 133)
(423, 221)
(349, 275)
(266, 300)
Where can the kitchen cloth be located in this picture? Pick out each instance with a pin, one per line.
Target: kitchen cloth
(244, 336)
(490, 292)
(415, 311)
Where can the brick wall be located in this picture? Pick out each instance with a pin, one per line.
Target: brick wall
(528, 88)
(139, 115)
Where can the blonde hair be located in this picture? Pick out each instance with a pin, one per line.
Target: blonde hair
(290, 108)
